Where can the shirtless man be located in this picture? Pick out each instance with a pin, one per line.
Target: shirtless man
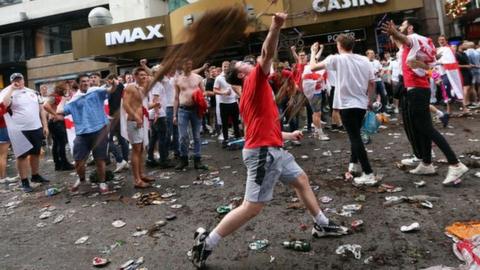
(133, 104)
(185, 86)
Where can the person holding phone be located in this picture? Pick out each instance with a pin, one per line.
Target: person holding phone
(27, 116)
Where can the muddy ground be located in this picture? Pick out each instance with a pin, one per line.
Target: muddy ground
(24, 245)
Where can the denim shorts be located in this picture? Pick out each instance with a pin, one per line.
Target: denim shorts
(265, 166)
(4, 135)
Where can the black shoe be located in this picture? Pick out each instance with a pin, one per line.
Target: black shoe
(151, 163)
(27, 188)
(199, 254)
(182, 163)
(67, 167)
(165, 164)
(197, 164)
(444, 119)
(331, 229)
(39, 179)
(58, 167)
(224, 144)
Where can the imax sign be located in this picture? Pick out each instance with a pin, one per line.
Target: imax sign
(132, 35)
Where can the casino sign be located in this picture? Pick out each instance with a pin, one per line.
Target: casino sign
(323, 6)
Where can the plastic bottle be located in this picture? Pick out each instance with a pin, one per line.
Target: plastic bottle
(297, 245)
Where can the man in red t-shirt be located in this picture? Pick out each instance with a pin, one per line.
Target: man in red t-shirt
(418, 53)
(263, 155)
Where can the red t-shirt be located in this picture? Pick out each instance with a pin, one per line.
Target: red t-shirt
(259, 112)
(297, 74)
(410, 78)
(3, 110)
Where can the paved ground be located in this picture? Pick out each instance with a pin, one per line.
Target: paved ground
(26, 246)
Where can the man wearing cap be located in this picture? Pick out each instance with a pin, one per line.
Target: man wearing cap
(28, 118)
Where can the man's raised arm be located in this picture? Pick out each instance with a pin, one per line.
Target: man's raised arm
(269, 48)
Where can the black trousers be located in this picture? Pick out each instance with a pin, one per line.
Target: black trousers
(419, 127)
(352, 120)
(59, 138)
(228, 111)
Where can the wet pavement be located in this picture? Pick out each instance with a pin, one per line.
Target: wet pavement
(28, 242)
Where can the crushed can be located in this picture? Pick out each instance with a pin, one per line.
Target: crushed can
(51, 192)
(357, 225)
(297, 245)
(258, 244)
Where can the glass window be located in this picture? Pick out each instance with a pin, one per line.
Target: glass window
(9, 2)
(12, 48)
(56, 39)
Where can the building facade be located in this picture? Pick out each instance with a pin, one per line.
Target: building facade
(50, 44)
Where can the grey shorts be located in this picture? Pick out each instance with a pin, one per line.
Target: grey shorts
(266, 165)
(316, 103)
(135, 134)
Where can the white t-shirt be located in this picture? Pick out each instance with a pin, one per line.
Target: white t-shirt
(157, 90)
(25, 108)
(221, 83)
(353, 75)
(395, 68)
(169, 90)
(377, 67)
(311, 85)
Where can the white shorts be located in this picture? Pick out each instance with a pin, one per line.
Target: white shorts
(135, 134)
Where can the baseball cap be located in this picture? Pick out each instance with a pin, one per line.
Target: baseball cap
(15, 76)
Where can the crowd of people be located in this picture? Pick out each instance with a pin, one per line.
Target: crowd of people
(142, 122)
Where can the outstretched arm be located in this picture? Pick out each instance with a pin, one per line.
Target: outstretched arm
(391, 29)
(315, 50)
(269, 48)
(293, 49)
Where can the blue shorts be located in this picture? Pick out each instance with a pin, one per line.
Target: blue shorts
(4, 135)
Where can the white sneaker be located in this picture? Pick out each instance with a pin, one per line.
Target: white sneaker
(103, 187)
(296, 143)
(365, 179)
(76, 186)
(121, 166)
(354, 168)
(11, 180)
(423, 169)
(396, 111)
(454, 174)
(410, 161)
(220, 137)
(322, 136)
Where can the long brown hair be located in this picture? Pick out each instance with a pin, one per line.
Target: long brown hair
(214, 30)
(60, 89)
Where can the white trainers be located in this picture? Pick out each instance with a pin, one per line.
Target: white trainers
(410, 161)
(121, 166)
(423, 169)
(296, 143)
(454, 174)
(354, 168)
(322, 136)
(103, 187)
(365, 179)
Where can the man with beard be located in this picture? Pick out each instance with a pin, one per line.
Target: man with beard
(418, 53)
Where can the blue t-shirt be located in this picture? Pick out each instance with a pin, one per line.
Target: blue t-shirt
(88, 111)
